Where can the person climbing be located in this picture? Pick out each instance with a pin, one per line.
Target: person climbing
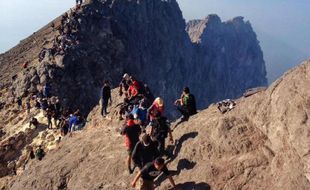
(156, 108)
(19, 103)
(123, 86)
(133, 93)
(57, 112)
(186, 105)
(79, 2)
(145, 151)
(40, 153)
(28, 106)
(149, 172)
(49, 115)
(34, 122)
(141, 114)
(73, 120)
(46, 90)
(131, 131)
(105, 97)
(160, 131)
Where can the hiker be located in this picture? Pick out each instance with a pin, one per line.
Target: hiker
(19, 103)
(124, 108)
(160, 129)
(39, 154)
(186, 104)
(149, 172)
(145, 151)
(73, 120)
(105, 97)
(49, 115)
(34, 122)
(79, 2)
(133, 93)
(123, 86)
(156, 108)
(28, 106)
(46, 90)
(131, 131)
(140, 114)
(57, 112)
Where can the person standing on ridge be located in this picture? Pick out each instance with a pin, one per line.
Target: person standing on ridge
(105, 97)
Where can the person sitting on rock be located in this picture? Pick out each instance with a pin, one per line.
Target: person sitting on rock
(145, 151)
(186, 105)
(156, 108)
(40, 153)
(105, 97)
(131, 131)
(151, 171)
(34, 122)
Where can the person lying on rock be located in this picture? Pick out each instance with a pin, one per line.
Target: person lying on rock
(151, 171)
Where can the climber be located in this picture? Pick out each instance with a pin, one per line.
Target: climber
(34, 122)
(186, 104)
(149, 172)
(160, 129)
(57, 112)
(79, 2)
(123, 86)
(141, 114)
(39, 153)
(133, 93)
(131, 131)
(145, 151)
(28, 106)
(49, 115)
(105, 97)
(19, 103)
(156, 107)
(73, 120)
(46, 90)
(148, 96)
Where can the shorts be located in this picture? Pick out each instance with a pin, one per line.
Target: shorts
(146, 185)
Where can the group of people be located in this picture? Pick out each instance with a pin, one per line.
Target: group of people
(146, 127)
(66, 39)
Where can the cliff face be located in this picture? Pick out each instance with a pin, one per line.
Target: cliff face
(228, 56)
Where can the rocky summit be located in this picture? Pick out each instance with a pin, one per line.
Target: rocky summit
(262, 142)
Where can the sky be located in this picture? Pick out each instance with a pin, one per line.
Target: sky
(282, 26)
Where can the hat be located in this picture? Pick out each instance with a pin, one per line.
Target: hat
(126, 76)
(159, 102)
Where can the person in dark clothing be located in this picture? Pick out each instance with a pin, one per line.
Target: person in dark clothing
(34, 122)
(19, 103)
(144, 152)
(149, 172)
(105, 97)
(49, 115)
(160, 131)
(79, 2)
(131, 131)
(28, 106)
(57, 112)
(39, 154)
(46, 90)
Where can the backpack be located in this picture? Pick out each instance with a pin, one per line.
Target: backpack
(161, 128)
(191, 105)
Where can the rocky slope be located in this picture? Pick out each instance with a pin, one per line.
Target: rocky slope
(261, 144)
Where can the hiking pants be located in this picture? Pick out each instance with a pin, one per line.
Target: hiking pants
(183, 111)
(104, 106)
(161, 146)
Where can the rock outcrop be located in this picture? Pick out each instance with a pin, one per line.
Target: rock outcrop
(261, 144)
(229, 59)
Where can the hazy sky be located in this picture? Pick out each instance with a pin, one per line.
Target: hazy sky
(282, 26)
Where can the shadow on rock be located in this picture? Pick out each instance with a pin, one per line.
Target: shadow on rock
(193, 186)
